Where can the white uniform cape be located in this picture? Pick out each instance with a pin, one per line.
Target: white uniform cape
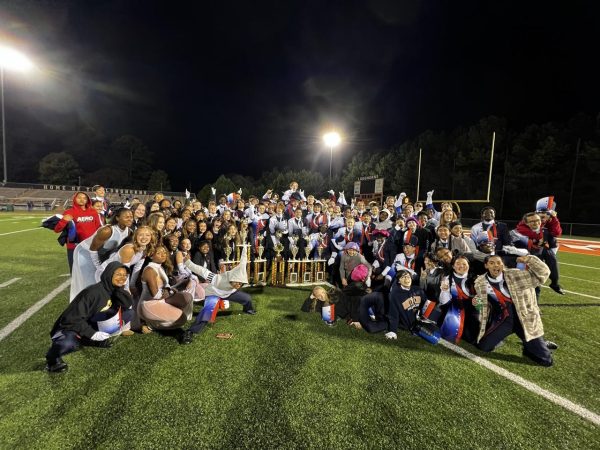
(220, 283)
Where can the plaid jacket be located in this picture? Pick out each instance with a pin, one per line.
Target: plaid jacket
(521, 285)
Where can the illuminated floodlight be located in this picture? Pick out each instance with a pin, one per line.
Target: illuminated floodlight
(12, 59)
(332, 139)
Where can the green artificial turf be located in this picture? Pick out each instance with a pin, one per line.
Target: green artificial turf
(285, 380)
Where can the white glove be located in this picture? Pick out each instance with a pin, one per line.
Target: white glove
(95, 259)
(301, 192)
(127, 204)
(187, 194)
(342, 199)
(331, 261)
(213, 190)
(398, 203)
(375, 264)
(100, 336)
(391, 335)
(368, 282)
(240, 191)
(430, 197)
(512, 250)
(331, 191)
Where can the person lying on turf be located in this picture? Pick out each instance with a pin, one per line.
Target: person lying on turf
(223, 285)
(507, 302)
(78, 324)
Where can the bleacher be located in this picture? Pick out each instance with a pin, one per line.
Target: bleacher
(43, 198)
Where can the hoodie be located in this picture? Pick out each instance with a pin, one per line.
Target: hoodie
(91, 300)
(86, 221)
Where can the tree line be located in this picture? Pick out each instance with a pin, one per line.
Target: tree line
(555, 158)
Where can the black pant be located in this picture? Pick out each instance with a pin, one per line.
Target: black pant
(549, 258)
(536, 348)
(67, 341)
(70, 258)
(375, 301)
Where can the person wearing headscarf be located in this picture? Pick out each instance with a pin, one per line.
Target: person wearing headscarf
(225, 286)
(85, 219)
(79, 323)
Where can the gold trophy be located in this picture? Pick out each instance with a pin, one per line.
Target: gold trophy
(294, 250)
(320, 246)
(307, 249)
(278, 249)
(261, 248)
(227, 248)
(243, 237)
(319, 265)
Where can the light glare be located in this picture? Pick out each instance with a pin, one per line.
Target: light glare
(13, 60)
(331, 139)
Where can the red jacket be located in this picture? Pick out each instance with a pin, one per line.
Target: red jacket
(86, 221)
(553, 226)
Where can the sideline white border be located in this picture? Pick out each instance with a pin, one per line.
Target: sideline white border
(557, 399)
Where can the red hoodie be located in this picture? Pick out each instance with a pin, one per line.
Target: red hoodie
(86, 221)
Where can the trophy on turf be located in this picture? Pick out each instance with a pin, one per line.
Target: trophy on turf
(227, 248)
(306, 267)
(261, 248)
(319, 266)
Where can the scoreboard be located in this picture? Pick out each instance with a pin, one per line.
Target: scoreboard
(369, 188)
(368, 185)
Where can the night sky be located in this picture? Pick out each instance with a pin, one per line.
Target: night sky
(225, 87)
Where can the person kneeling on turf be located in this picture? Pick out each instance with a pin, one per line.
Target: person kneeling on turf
(223, 285)
(78, 324)
(506, 299)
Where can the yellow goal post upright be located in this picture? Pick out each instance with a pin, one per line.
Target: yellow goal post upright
(486, 200)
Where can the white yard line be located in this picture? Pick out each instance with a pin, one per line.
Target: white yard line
(578, 265)
(21, 231)
(9, 282)
(557, 399)
(4, 332)
(19, 218)
(580, 279)
(576, 293)
(579, 240)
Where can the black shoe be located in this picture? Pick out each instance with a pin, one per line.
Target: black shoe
(551, 345)
(187, 337)
(57, 366)
(538, 360)
(250, 311)
(556, 288)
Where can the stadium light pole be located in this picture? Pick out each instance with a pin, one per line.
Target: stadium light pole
(12, 60)
(332, 139)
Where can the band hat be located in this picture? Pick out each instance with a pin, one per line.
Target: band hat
(545, 204)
